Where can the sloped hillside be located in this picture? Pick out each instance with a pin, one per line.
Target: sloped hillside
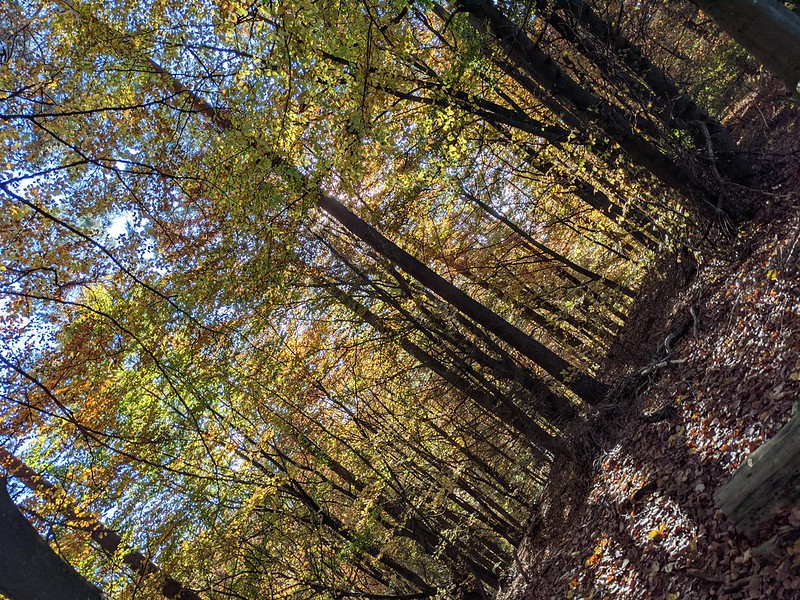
(688, 415)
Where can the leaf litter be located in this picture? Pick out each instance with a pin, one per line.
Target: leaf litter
(645, 525)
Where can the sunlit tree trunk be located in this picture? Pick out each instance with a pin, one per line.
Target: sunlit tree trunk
(766, 484)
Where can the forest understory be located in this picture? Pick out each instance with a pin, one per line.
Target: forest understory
(641, 521)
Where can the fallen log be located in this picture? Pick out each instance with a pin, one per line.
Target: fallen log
(767, 484)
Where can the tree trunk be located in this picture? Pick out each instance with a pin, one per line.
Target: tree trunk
(586, 387)
(29, 568)
(595, 198)
(553, 407)
(297, 491)
(108, 539)
(410, 524)
(766, 29)
(504, 410)
(675, 107)
(569, 342)
(543, 249)
(554, 81)
(766, 483)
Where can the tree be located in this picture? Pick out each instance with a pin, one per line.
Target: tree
(766, 29)
(609, 50)
(525, 56)
(29, 568)
(304, 296)
(107, 539)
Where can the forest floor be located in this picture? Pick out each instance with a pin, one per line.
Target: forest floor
(642, 522)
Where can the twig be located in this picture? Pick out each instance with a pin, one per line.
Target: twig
(521, 567)
(660, 414)
(661, 365)
(712, 158)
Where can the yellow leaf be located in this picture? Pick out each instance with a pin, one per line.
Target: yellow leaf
(598, 552)
(658, 533)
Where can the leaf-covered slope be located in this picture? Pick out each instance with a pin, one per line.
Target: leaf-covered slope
(647, 526)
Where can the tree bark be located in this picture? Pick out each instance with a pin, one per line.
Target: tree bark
(109, 540)
(766, 483)
(29, 568)
(584, 386)
(766, 29)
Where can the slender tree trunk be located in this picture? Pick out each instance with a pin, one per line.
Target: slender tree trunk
(766, 29)
(553, 407)
(587, 388)
(505, 411)
(550, 405)
(501, 485)
(29, 568)
(676, 107)
(412, 526)
(525, 55)
(633, 221)
(546, 251)
(566, 339)
(295, 490)
(593, 329)
(552, 254)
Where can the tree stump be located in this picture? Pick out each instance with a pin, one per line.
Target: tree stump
(766, 484)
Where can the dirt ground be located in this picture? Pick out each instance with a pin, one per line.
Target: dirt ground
(640, 521)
